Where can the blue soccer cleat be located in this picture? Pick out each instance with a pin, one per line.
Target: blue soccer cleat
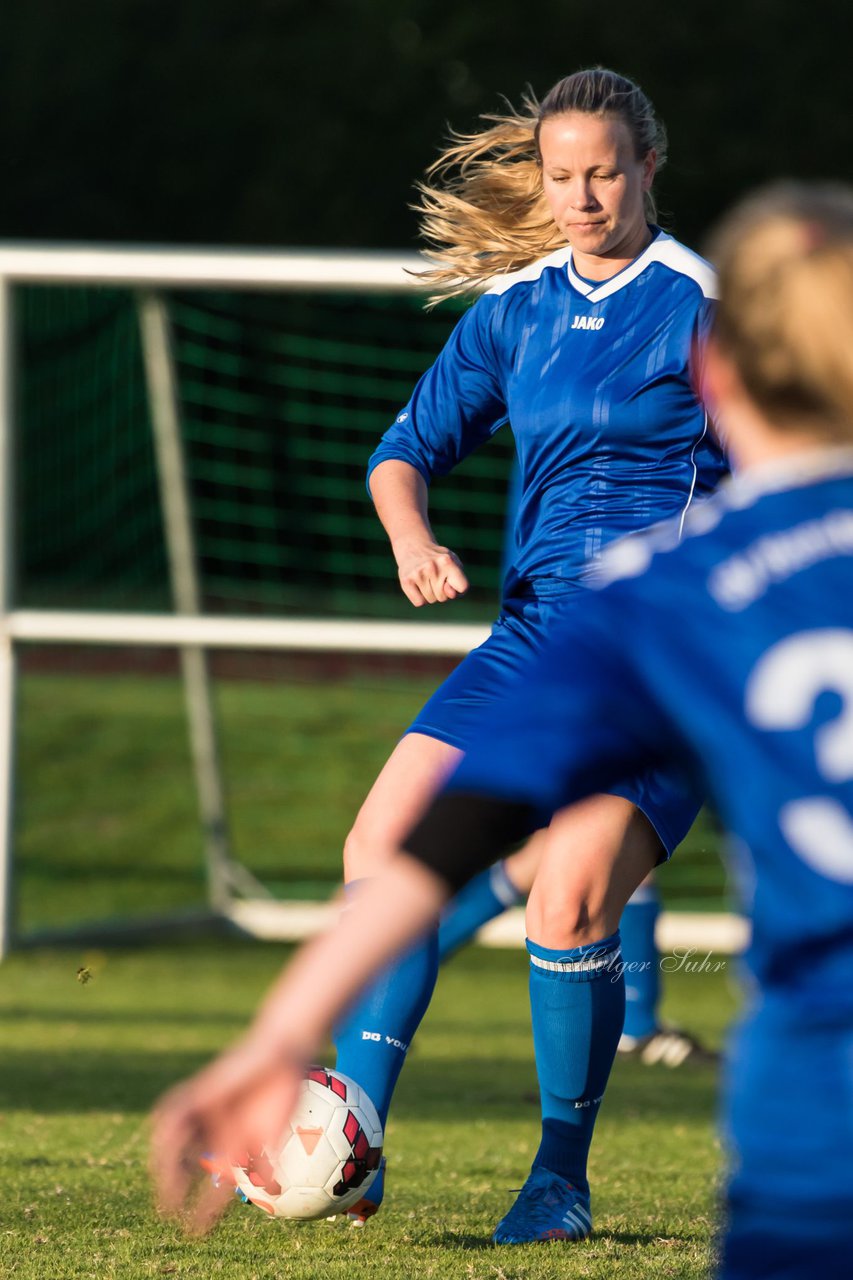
(547, 1208)
(369, 1204)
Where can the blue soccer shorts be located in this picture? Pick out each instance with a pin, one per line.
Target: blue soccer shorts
(669, 801)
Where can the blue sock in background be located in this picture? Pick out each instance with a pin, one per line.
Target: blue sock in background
(577, 1002)
(486, 896)
(373, 1039)
(640, 957)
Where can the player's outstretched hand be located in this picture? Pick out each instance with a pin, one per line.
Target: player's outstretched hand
(242, 1101)
(239, 1103)
(430, 574)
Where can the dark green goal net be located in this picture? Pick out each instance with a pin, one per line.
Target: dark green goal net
(283, 398)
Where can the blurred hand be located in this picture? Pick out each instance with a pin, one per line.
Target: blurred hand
(430, 574)
(238, 1104)
(242, 1101)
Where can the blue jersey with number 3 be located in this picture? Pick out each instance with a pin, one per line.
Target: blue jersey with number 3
(596, 379)
(733, 651)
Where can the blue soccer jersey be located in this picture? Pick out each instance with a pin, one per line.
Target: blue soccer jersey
(595, 378)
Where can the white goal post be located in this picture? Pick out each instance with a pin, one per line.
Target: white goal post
(230, 887)
(233, 893)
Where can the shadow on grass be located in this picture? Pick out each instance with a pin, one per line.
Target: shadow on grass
(462, 1241)
(70, 1081)
(127, 1017)
(129, 1079)
(494, 1090)
(644, 1238)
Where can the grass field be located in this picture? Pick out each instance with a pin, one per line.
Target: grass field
(81, 1065)
(106, 820)
(106, 823)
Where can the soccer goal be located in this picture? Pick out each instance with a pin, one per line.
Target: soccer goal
(183, 437)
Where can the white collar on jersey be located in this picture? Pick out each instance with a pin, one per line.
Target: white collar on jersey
(792, 472)
(662, 249)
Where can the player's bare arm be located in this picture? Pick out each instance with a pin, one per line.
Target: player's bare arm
(429, 573)
(248, 1093)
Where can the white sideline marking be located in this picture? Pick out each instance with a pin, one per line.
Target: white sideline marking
(292, 921)
(712, 931)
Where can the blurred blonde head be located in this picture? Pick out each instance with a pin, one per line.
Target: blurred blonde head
(483, 209)
(785, 318)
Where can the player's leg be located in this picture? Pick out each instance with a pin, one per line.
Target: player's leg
(373, 1040)
(645, 1036)
(372, 1043)
(489, 673)
(507, 883)
(501, 886)
(640, 957)
(596, 854)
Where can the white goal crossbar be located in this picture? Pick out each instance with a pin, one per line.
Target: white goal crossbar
(155, 267)
(233, 893)
(330, 636)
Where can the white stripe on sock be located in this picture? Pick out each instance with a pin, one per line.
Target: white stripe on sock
(590, 964)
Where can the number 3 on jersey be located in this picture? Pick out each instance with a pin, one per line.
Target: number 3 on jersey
(780, 694)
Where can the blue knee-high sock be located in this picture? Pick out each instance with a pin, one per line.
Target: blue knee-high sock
(486, 896)
(640, 958)
(374, 1038)
(577, 1000)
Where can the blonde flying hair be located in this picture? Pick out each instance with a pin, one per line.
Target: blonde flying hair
(785, 318)
(483, 209)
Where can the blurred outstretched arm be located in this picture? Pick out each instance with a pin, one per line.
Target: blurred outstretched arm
(244, 1097)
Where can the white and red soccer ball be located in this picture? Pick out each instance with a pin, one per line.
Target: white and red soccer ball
(327, 1157)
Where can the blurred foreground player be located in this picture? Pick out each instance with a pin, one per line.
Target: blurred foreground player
(733, 650)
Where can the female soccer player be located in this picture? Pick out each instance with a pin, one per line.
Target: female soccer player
(583, 341)
(731, 649)
(587, 351)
